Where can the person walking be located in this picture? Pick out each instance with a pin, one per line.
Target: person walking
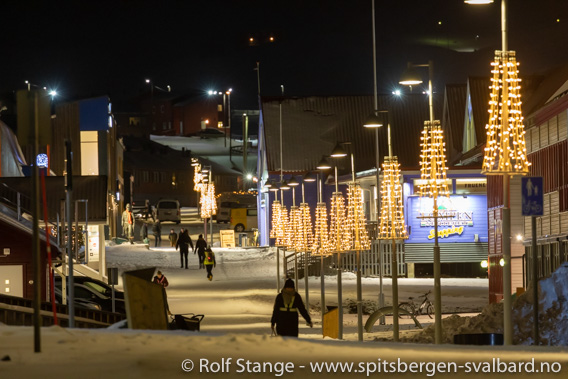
(183, 242)
(128, 224)
(173, 237)
(144, 231)
(209, 262)
(285, 314)
(157, 230)
(200, 247)
(161, 280)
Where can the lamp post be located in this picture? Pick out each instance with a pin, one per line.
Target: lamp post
(322, 245)
(505, 150)
(409, 78)
(373, 121)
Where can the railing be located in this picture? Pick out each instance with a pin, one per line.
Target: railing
(20, 204)
(19, 311)
(369, 261)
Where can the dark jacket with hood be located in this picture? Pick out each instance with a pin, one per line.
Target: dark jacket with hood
(183, 242)
(285, 313)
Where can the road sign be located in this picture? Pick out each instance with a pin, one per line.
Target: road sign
(533, 195)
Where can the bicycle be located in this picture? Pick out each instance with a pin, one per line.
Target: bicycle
(426, 307)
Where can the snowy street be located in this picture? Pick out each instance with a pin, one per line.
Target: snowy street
(241, 296)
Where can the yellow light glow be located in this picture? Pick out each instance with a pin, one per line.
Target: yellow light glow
(321, 244)
(391, 226)
(208, 201)
(433, 168)
(484, 264)
(359, 238)
(339, 237)
(505, 149)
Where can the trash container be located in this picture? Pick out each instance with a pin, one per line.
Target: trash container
(478, 339)
(243, 239)
(331, 322)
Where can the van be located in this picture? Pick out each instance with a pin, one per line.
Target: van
(243, 219)
(168, 210)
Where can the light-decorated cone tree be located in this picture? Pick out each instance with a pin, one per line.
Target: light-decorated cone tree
(276, 218)
(321, 245)
(356, 222)
(433, 168)
(392, 226)
(294, 229)
(505, 150)
(339, 236)
(282, 237)
(306, 239)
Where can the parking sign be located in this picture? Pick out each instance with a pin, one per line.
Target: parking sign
(533, 196)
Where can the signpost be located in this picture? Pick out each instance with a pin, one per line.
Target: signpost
(533, 205)
(227, 238)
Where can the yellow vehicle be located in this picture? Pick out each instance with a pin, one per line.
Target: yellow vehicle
(244, 219)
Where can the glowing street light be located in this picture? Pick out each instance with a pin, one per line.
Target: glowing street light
(505, 150)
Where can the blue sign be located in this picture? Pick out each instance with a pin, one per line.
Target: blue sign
(533, 195)
(460, 219)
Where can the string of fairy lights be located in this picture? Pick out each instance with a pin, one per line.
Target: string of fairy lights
(391, 225)
(505, 151)
(433, 169)
(201, 184)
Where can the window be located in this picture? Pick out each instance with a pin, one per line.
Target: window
(155, 177)
(219, 107)
(162, 109)
(89, 153)
(164, 125)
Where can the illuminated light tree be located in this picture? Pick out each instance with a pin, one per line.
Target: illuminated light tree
(294, 229)
(208, 201)
(276, 219)
(321, 245)
(306, 237)
(282, 237)
(433, 168)
(339, 237)
(356, 219)
(392, 226)
(505, 150)
(197, 178)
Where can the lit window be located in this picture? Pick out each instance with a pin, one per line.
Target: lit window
(219, 107)
(220, 124)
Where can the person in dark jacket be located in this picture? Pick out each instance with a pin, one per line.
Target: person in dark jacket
(285, 314)
(209, 262)
(200, 247)
(157, 230)
(144, 231)
(183, 242)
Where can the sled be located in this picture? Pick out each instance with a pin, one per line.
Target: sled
(187, 321)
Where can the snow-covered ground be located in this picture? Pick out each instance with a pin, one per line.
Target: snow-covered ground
(241, 295)
(237, 305)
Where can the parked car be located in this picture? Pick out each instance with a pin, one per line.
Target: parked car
(95, 284)
(87, 293)
(79, 303)
(168, 210)
(211, 133)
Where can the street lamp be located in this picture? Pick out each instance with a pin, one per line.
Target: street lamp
(411, 77)
(505, 149)
(375, 122)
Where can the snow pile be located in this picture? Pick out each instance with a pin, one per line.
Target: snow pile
(552, 311)
(490, 320)
(553, 316)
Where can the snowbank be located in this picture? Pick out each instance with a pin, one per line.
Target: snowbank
(553, 316)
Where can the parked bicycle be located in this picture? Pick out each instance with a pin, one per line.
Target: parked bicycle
(426, 307)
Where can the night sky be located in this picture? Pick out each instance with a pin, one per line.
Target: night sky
(86, 48)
